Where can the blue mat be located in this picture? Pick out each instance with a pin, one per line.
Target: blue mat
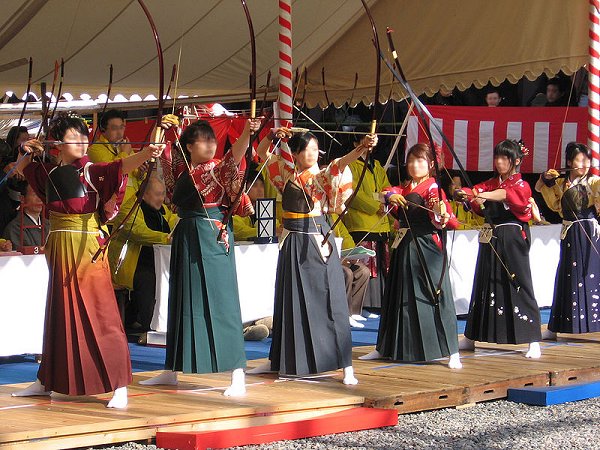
(554, 395)
(21, 369)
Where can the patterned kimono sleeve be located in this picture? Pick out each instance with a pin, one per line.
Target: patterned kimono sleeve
(387, 193)
(486, 186)
(518, 194)
(227, 173)
(110, 183)
(279, 172)
(431, 200)
(336, 185)
(173, 165)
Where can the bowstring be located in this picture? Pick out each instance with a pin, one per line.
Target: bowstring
(560, 140)
(467, 225)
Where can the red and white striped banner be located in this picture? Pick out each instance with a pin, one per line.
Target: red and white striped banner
(473, 131)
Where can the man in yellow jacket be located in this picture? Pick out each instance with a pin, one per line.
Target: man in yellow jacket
(151, 224)
(366, 224)
(112, 144)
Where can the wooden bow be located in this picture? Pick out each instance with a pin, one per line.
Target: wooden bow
(249, 150)
(158, 133)
(427, 119)
(373, 124)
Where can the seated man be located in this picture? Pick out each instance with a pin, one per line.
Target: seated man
(5, 246)
(356, 275)
(32, 235)
(134, 271)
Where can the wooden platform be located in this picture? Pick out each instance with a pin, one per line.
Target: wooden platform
(198, 403)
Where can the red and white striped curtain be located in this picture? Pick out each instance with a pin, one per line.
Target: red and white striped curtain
(474, 131)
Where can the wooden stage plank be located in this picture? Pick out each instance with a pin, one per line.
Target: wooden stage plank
(480, 379)
(197, 404)
(158, 406)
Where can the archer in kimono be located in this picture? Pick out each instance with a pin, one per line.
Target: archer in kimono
(575, 196)
(503, 308)
(204, 328)
(311, 333)
(85, 349)
(418, 318)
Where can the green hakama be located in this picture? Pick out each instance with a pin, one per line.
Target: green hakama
(204, 325)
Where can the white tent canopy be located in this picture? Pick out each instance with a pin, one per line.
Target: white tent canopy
(442, 43)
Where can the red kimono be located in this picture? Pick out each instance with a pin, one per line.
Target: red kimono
(503, 308)
(518, 194)
(416, 324)
(85, 349)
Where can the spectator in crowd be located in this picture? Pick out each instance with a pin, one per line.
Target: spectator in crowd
(9, 148)
(580, 85)
(555, 93)
(446, 97)
(32, 208)
(10, 189)
(134, 271)
(5, 245)
(356, 276)
(492, 97)
(112, 144)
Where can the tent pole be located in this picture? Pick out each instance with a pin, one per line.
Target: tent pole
(285, 62)
(594, 85)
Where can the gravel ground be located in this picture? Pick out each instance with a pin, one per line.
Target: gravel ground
(499, 424)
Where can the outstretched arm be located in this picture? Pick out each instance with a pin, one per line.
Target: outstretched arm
(264, 146)
(134, 161)
(239, 147)
(368, 142)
